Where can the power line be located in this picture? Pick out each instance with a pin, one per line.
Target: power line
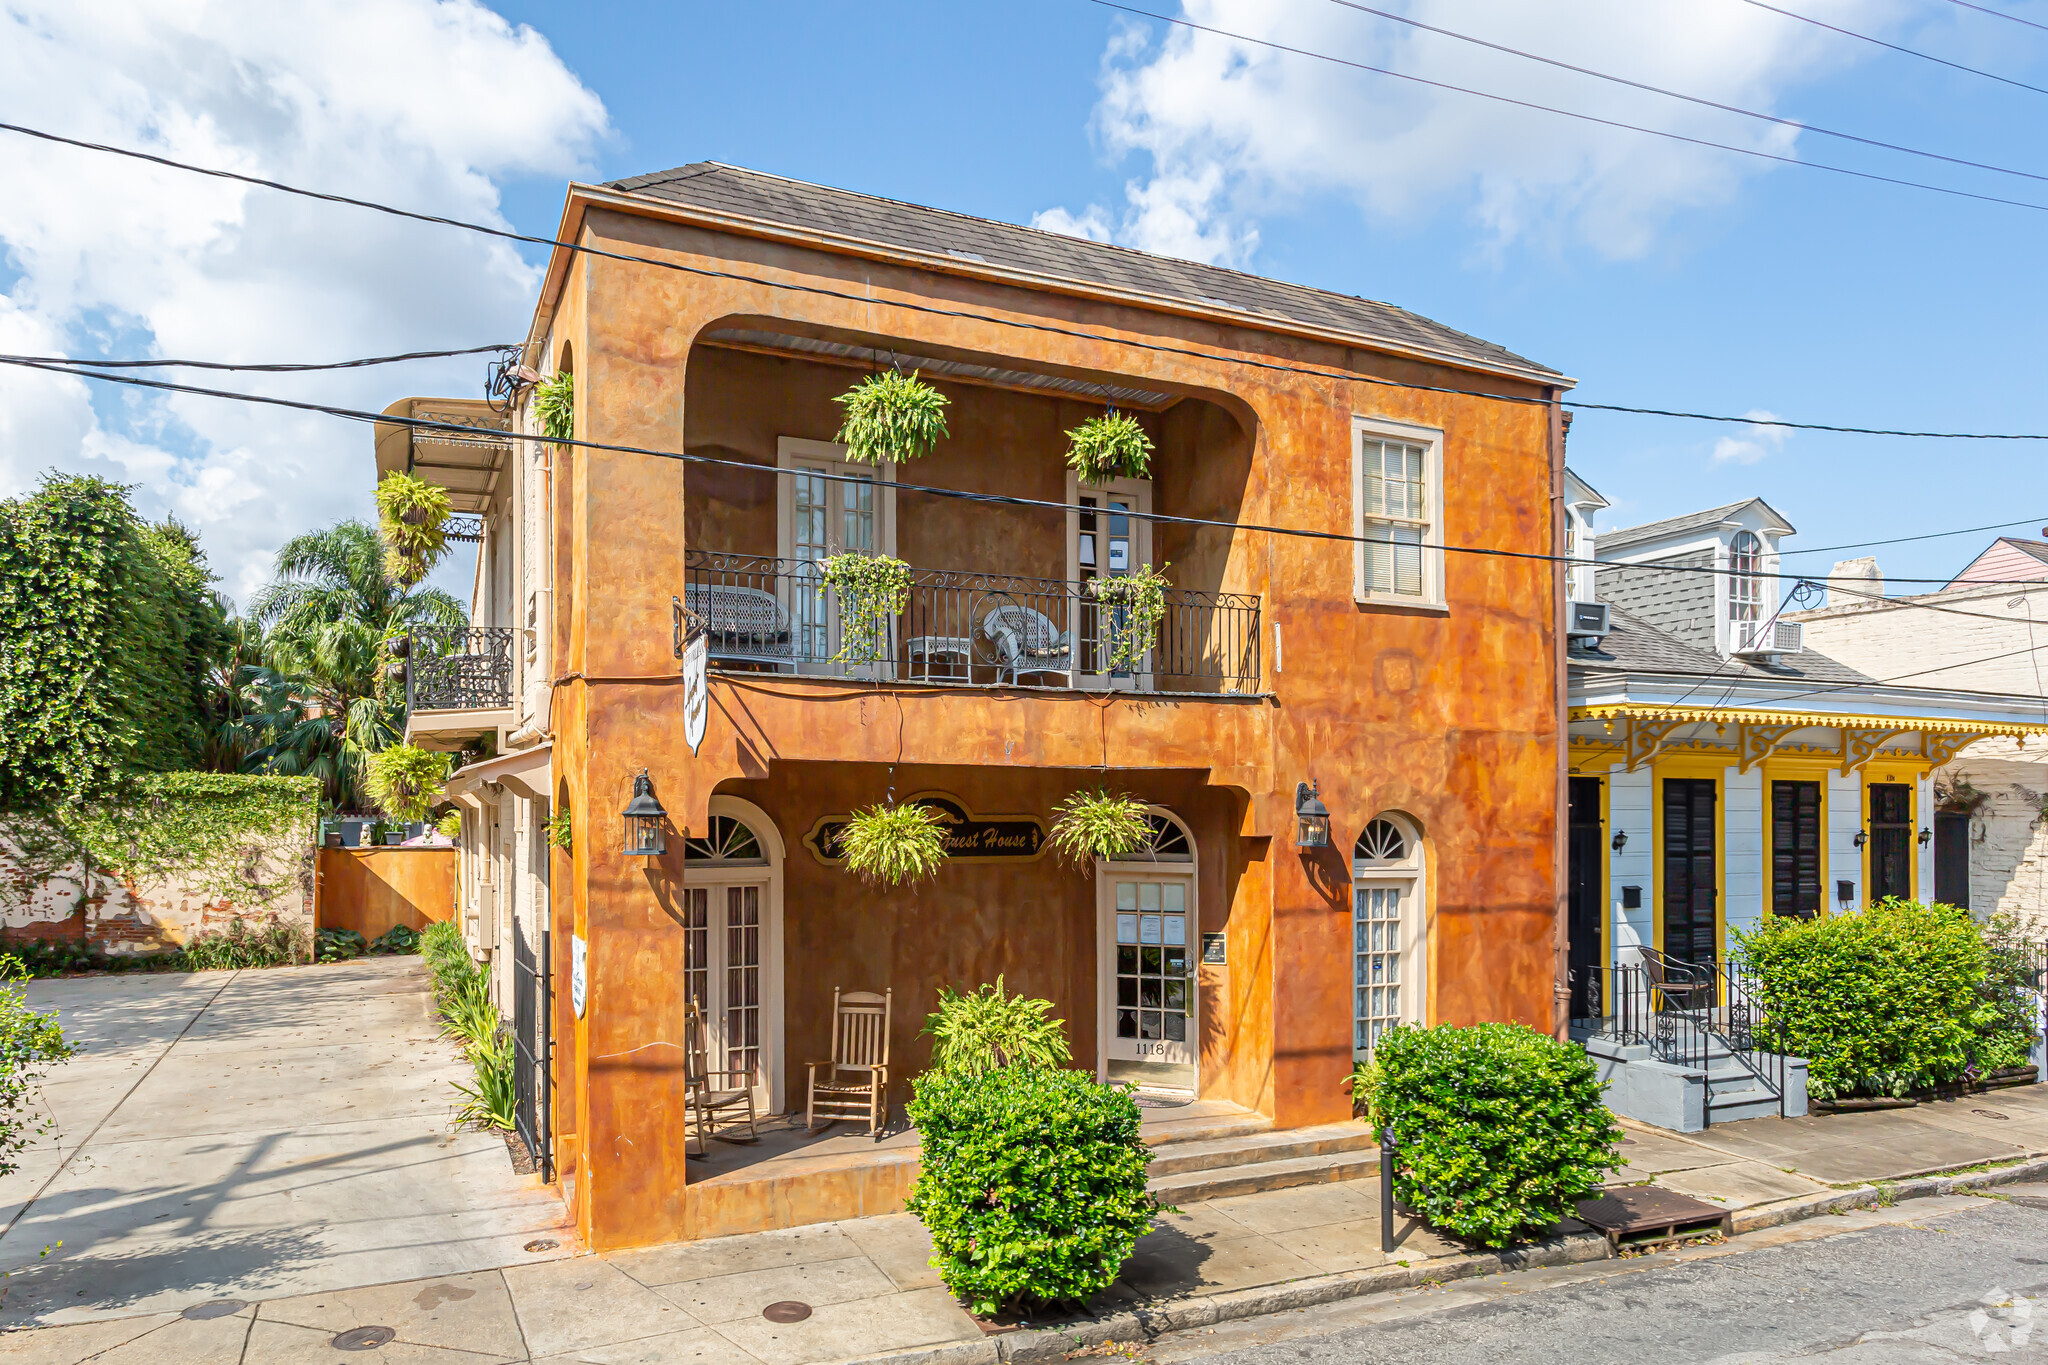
(1700, 100)
(1910, 52)
(1050, 329)
(1901, 540)
(1999, 14)
(278, 368)
(1001, 499)
(1569, 113)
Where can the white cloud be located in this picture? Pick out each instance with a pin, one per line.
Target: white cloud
(1229, 129)
(422, 103)
(1092, 223)
(1754, 443)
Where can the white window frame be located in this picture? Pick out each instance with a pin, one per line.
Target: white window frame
(1407, 876)
(1431, 440)
(1189, 873)
(768, 876)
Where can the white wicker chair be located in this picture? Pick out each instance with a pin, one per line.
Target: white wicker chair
(1026, 641)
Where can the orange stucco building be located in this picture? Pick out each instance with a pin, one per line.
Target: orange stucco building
(1418, 691)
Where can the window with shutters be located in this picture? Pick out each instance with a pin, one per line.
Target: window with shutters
(1691, 883)
(1795, 849)
(1396, 494)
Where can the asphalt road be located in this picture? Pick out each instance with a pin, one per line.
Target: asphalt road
(1957, 1284)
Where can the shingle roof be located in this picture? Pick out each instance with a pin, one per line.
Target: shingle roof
(733, 191)
(1634, 646)
(1690, 521)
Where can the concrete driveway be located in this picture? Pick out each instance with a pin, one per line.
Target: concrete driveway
(254, 1134)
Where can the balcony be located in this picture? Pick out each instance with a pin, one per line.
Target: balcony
(458, 684)
(961, 629)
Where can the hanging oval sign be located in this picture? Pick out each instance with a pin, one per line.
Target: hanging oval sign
(969, 838)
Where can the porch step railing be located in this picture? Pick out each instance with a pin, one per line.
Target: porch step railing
(1705, 1017)
(972, 629)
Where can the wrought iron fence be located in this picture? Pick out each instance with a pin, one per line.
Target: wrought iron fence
(458, 668)
(973, 629)
(1706, 1017)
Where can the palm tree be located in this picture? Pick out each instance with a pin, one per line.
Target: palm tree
(328, 614)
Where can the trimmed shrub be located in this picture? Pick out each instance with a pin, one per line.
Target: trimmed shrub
(1500, 1128)
(1882, 1002)
(1033, 1186)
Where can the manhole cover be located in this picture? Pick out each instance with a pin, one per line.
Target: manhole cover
(1991, 1113)
(789, 1310)
(362, 1338)
(216, 1308)
(543, 1244)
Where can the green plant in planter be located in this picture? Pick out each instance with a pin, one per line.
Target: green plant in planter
(1112, 446)
(554, 406)
(560, 832)
(1099, 824)
(1138, 604)
(889, 845)
(450, 825)
(891, 416)
(406, 780)
(985, 1029)
(872, 589)
(412, 519)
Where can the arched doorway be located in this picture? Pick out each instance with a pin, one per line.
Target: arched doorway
(1388, 930)
(732, 941)
(1147, 930)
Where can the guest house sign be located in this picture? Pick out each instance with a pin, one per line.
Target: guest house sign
(969, 838)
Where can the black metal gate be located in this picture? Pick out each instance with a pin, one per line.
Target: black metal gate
(531, 1012)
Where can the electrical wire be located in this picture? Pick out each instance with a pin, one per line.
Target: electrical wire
(1910, 52)
(1700, 100)
(1999, 14)
(965, 495)
(1901, 540)
(1573, 114)
(279, 368)
(1050, 329)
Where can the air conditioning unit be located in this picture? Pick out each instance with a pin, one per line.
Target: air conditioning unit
(1587, 621)
(1767, 637)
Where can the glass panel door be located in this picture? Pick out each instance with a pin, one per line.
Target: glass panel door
(1151, 984)
(1376, 964)
(828, 516)
(722, 945)
(1108, 540)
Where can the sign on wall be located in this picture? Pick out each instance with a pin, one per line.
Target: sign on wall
(696, 690)
(577, 974)
(969, 838)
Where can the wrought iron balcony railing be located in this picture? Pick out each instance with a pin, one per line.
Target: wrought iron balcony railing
(972, 629)
(458, 668)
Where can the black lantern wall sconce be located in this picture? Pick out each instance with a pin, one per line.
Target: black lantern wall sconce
(1861, 839)
(645, 819)
(1620, 840)
(1926, 837)
(1311, 817)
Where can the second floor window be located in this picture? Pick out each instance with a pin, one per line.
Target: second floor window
(1396, 490)
(1745, 578)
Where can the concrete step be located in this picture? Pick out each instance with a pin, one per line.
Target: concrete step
(1193, 1187)
(1760, 1104)
(1184, 1157)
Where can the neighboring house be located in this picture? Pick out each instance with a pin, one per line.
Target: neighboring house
(1723, 767)
(1983, 632)
(1228, 962)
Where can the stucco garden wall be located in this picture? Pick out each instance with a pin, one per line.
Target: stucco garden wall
(2008, 837)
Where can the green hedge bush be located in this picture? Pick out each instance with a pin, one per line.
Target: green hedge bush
(1033, 1186)
(1500, 1129)
(1883, 1001)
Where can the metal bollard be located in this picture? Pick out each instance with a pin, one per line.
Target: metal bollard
(1387, 1191)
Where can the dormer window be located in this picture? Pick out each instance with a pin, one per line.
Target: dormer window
(1746, 578)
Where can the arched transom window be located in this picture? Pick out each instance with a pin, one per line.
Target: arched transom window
(727, 841)
(1169, 843)
(1386, 930)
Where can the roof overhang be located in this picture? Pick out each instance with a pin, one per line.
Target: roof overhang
(529, 773)
(470, 462)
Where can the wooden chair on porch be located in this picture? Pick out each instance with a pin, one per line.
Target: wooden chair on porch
(855, 1083)
(712, 1096)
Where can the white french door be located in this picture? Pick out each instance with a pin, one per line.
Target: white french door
(829, 506)
(1146, 979)
(723, 945)
(1104, 538)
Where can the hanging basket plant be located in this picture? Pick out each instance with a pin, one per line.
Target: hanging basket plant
(891, 416)
(554, 405)
(1099, 824)
(406, 781)
(887, 845)
(1138, 604)
(412, 519)
(1112, 446)
(873, 590)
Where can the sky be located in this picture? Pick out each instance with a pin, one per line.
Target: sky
(1656, 273)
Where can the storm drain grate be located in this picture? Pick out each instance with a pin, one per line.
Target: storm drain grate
(1644, 1216)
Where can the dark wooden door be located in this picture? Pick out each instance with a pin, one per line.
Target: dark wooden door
(1952, 859)
(1891, 841)
(1689, 881)
(1795, 849)
(1582, 922)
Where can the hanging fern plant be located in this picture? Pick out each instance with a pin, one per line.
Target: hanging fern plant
(1099, 824)
(554, 406)
(412, 518)
(1138, 602)
(873, 590)
(891, 416)
(888, 845)
(406, 781)
(1112, 446)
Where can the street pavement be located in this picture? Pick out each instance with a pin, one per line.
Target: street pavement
(1931, 1281)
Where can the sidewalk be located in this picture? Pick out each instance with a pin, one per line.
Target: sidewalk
(869, 1291)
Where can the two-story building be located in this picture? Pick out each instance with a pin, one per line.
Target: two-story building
(1314, 454)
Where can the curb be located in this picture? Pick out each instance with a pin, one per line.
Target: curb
(1895, 1192)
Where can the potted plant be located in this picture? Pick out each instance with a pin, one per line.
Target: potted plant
(872, 589)
(554, 406)
(412, 518)
(891, 416)
(406, 780)
(889, 844)
(1099, 824)
(1112, 446)
(1137, 603)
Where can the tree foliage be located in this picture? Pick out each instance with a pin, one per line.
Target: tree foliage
(30, 1042)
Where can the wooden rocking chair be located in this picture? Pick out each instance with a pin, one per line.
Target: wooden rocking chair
(855, 1083)
(706, 1104)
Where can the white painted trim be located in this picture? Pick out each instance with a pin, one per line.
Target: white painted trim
(773, 1031)
(1431, 439)
(1411, 875)
(790, 449)
(1139, 491)
(1105, 943)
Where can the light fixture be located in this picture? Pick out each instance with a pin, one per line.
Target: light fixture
(645, 837)
(1926, 836)
(1311, 817)
(1860, 839)
(1620, 840)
